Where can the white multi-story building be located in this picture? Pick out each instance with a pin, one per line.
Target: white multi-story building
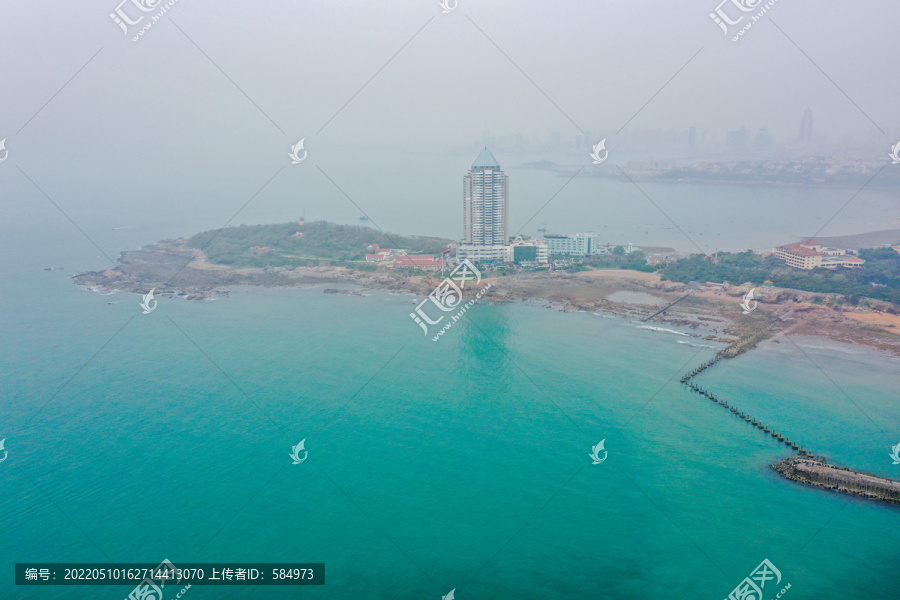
(580, 244)
(486, 203)
(527, 250)
(482, 254)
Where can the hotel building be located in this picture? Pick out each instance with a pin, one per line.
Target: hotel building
(580, 244)
(485, 211)
(811, 254)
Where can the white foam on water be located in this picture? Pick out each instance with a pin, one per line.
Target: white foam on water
(663, 329)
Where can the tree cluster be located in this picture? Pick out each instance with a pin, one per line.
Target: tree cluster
(879, 278)
(291, 244)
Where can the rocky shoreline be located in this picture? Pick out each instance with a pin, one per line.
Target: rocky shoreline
(713, 311)
(817, 472)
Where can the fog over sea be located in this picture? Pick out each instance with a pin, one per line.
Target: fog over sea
(421, 194)
(459, 464)
(459, 469)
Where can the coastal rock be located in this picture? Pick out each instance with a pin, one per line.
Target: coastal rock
(816, 471)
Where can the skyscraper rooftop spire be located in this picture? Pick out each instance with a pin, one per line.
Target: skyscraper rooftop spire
(486, 160)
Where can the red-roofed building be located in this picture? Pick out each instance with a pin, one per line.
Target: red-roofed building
(421, 261)
(811, 254)
(382, 254)
(853, 261)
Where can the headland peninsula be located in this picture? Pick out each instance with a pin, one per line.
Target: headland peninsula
(212, 263)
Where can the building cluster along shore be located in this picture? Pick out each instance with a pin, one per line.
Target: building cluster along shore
(175, 268)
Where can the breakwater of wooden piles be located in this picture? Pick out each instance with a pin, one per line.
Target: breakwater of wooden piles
(819, 473)
(805, 468)
(739, 347)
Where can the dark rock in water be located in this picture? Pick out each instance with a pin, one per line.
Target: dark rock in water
(816, 471)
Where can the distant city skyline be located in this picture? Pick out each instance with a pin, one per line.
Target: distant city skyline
(691, 140)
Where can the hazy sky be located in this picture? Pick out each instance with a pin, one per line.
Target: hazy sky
(300, 61)
(220, 103)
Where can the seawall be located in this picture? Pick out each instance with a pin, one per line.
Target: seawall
(819, 473)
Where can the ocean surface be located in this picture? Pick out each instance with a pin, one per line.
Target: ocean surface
(459, 464)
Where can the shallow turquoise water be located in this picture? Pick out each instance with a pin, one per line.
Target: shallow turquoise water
(457, 464)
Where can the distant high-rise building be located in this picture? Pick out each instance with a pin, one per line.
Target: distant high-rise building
(763, 139)
(692, 137)
(556, 141)
(486, 202)
(737, 140)
(806, 124)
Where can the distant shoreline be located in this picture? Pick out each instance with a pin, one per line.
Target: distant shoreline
(670, 176)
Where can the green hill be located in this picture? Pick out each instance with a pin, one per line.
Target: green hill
(290, 244)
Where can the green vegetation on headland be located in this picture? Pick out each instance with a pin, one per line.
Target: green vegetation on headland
(322, 243)
(619, 259)
(292, 244)
(879, 278)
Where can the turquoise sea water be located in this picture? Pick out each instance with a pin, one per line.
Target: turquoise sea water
(432, 466)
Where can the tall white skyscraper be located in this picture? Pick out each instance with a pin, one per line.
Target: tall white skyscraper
(486, 203)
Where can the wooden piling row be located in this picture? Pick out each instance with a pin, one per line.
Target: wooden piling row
(686, 381)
